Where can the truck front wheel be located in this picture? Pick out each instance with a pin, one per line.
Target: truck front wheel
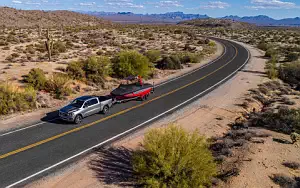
(78, 119)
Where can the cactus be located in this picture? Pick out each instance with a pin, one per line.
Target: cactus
(49, 44)
(40, 30)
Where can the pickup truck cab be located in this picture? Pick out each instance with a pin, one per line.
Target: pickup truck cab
(85, 106)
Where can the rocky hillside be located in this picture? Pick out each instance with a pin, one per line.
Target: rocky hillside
(211, 22)
(11, 17)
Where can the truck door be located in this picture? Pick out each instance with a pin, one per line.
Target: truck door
(93, 107)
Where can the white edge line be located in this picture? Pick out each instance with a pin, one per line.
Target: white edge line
(28, 127)
(121, 134)
(161, 84)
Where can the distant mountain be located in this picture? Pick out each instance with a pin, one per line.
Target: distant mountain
(169, 17)
(265, 20)
(175, 17)
(213, 22)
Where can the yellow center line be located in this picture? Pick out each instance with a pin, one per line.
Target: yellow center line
(111, 116)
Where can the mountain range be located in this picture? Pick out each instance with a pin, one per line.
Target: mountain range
(175, 17)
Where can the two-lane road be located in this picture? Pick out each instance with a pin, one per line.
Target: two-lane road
(31, 153)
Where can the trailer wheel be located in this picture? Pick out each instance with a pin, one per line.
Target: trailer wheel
(78, 119)
(144, 97)
(105, 109)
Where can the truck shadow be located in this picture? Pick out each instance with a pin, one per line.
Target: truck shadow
(113, 166)
(52, 117)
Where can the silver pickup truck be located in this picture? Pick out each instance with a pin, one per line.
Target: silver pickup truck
(85, 106)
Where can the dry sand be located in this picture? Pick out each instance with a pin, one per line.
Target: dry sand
(210, 115)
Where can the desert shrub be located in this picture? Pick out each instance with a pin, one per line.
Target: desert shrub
(284, 181)
(292, 56)
(270, 52)
(100, 52)
(30, 49)
(262, 45)
(14, 99)
(153, 55)
(75, 70)
(97, 68)
(58, 85)
(292, 165)
(212, 44)
(290, 73)
(36, 78)
(59, 47)
(271, 68)
(285, 120)
(178, 31)
(190, 57)
(171, 157)
(129, 63)
(171, 62)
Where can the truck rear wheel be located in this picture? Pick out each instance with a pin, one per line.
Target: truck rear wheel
(78, 119)
(105, 109)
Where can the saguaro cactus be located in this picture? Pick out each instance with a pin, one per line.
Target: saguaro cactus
(49, 44)
(40, 30)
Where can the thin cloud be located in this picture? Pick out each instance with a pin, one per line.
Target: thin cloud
(215, 5)
(122, 4)
(165, 4)
(17, 2)
(271, 4)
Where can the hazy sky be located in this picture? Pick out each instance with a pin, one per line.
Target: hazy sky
(214, 8)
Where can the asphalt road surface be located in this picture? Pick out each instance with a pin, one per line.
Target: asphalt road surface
(34, 152)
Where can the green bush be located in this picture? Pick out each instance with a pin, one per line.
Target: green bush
(169, 62)
(36, 78)
(290, 73)
(129, 63)
(75, 70)
(153, 55)
(212, 44)
(262, 45)
(271, 68)
(58, 85)
(15, 100)
(270, 52)
(190, 57)
(171, 157)
(292, 56)
(97, 68)
(59, 47)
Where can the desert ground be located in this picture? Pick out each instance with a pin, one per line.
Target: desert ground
(210, 116)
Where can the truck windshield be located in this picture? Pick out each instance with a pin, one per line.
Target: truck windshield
(77, 103)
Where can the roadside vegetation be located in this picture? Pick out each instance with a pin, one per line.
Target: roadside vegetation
(73, 59)
(15, 99)
(172, 157)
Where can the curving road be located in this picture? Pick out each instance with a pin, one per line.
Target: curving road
(35, 151)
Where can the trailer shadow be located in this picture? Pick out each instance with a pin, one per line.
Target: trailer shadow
(113, 166)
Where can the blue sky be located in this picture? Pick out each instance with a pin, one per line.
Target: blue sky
(215, 8)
